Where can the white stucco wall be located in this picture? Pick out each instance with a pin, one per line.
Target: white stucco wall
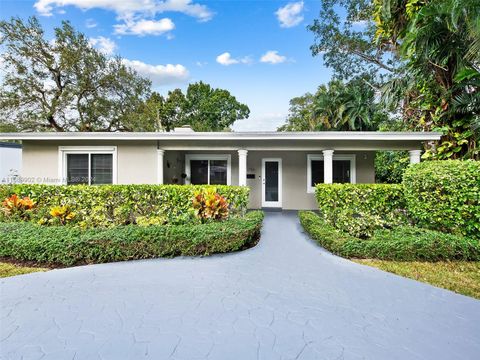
(136, 161)
(137, 164)
(294, 173)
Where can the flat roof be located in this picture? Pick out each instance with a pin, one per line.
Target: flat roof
(263, 136)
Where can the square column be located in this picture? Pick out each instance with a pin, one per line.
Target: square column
(242, 167)
(160, 155)
(328, 166)
(415, 156)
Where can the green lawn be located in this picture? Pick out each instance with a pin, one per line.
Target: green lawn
(462, 277)
(7, 269)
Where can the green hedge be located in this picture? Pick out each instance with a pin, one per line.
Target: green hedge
(68, 245)
(402, 243)
(326, 235)
(445, 195)
(109, 205)
(360, 209)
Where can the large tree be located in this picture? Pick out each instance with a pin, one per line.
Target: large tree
(422, 54)
(64, 84)
(336, 106)
(202, 107)
(345, 35)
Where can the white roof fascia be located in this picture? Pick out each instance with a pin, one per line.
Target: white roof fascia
(261, 136)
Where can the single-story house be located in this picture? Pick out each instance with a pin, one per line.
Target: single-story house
(281, 168)
(10, 161)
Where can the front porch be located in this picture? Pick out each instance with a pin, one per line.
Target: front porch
(277, 178)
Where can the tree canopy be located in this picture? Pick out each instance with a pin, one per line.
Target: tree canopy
(202, 107)
(336, 106)
(64, 84)
(422, 55)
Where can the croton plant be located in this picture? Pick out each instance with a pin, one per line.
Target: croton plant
(209, 205)
(16, 206)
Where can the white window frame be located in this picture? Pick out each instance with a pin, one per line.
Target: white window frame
(351, 157)
(208, 157)
(63, 151)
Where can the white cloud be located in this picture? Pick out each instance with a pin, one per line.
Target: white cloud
(226, 59)
(145, 27)
(159, 74)
(272, 57)
(290, 15)
(105, 45)
(129, 8)
(90, 23)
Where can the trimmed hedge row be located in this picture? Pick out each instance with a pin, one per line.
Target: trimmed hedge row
(67, 245)
(323, 233)
(445, 195)
(360, 209)
(401, 244)
(439, 195)
(109, 205)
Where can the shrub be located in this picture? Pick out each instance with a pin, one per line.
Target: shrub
(319, 230)
(68, 245)
(209, 205)
(360, 209)
(110, 205)
(445, 195)
(403, 243)
(62, 214)
(390, 166)
(16, 207)
(408, 243)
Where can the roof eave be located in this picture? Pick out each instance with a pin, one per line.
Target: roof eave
(262, 136)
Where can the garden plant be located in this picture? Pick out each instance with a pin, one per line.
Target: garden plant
(70, 225)
(433, 215)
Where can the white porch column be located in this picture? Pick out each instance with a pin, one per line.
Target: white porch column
(328, 166)
(242, 167)
(415, 156)
(160, 155)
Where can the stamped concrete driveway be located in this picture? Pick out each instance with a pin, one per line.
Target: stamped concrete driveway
(284, 299)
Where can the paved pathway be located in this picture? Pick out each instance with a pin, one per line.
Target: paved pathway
(284, 299)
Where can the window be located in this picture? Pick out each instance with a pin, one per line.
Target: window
(208, 169)
(87, 165)
(343, 170)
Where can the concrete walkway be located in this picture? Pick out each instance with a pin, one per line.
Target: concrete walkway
(284, 299)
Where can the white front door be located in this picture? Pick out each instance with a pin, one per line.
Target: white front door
(271, 182)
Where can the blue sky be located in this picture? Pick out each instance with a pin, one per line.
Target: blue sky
(258, 50)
